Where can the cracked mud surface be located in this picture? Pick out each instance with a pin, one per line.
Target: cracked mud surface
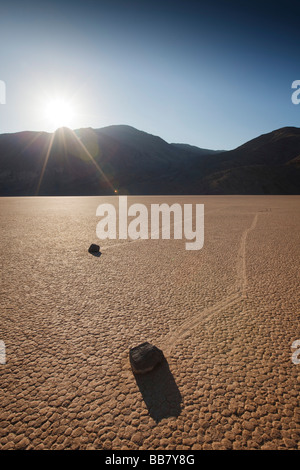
(225, 317)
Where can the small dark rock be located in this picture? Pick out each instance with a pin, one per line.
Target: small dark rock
(144, 358)
(94, 248)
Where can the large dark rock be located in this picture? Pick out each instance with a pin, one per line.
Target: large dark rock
(144, 357)
(94, 248)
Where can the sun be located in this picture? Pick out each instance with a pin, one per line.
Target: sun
(59, 113)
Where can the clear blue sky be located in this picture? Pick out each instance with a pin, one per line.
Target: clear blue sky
(212, 74)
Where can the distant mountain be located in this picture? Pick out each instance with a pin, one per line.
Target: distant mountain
(191, 148)
(100, 161)
(268, 164)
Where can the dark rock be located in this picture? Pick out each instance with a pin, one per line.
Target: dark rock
(94, 248)
(144, 358)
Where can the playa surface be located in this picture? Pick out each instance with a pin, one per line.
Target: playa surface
(225, 317)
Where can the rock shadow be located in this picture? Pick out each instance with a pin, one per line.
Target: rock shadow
(97, 255)
(160, 392)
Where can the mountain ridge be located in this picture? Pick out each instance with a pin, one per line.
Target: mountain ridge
(122, 159)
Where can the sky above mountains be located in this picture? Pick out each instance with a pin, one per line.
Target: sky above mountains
(212, 74)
